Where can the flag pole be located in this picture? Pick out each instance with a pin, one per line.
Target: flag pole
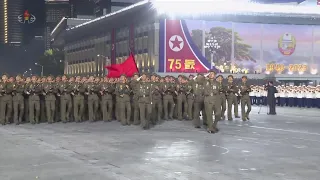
(131, 54)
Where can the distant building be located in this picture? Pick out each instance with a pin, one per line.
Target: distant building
(11, 32)
(103, 7)
(55, 11)
(81, 7)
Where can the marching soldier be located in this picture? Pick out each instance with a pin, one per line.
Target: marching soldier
(145, 101)
(49, 90)
(93, 99)
(156, 100)
(212, 102)
(57, 115)
(232, 90)
(134, 84)
(223, 96)
(123, 92)
(6, 100)
(41, 82)
(18, 100)
(33, 90)
(26, 100)
(182, 105)
(65, 99)
(98, 114)
(78, 91)
(168, 103)
(190, 97)
(106, 91)
(245, 98)
(198, 96)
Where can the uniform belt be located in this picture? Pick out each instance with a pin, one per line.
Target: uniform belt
(145, 96)
(212, 94)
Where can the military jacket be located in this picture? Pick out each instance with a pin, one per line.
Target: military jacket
(64, 87)
(189, 88)
(78, 88)
(155, 89)
(49, 88)
(181, 88)
(244, 89)
(145, 89)
(18, 88)
(107, 90)
(2, 88)
(168, 88)
(222, 88)
(231, 89)
(212, 88)
(122, 89)
(33, 88)
(134, 84)
(92, 88)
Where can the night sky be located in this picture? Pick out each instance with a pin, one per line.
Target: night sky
(16, 60)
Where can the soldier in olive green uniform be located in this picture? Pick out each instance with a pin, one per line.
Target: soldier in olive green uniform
(145, 101)
(123, 92)
(6, 100)
(98, 115)
(134, 85)
(57, 114)
(18, 100)
(212, 102)
(26, 100)
(198, 95)
(41, 82)
(33, 90)
(49, 90)
(182, 105)
(168, 104)
(106, 91)
(232, 91)
(93, 99)
(223, 90)
(245, 98)
(78, 90)
(190, 97)
(65, 99)
(156, 100)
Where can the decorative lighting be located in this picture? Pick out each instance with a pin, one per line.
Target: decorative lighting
(5, 17)
(111, 14)
(204, 7)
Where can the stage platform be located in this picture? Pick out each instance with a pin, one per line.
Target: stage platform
(282, 147)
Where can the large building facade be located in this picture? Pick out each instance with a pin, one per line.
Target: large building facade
(11, 31)
(55, 11)
(191, 45)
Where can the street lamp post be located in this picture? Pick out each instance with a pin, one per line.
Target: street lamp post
(106, 62)
(41, 68)
(213, 45)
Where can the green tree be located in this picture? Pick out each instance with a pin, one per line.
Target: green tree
(52, 62)
(223, 37)
(197, 38)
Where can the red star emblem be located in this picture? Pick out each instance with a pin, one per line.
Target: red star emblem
(176, 43)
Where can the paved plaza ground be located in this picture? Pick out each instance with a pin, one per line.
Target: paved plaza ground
(284, 147)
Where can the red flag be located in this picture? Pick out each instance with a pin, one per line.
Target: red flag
(128, 67)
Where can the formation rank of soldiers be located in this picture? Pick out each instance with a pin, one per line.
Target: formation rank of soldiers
(146, 100)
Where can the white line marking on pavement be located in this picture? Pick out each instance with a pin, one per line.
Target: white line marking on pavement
(285, 130)
(227, 150)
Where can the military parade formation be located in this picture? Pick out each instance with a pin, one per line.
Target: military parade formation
(143, 99)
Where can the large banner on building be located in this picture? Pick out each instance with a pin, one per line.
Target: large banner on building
(178, 53)
(239, 47)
